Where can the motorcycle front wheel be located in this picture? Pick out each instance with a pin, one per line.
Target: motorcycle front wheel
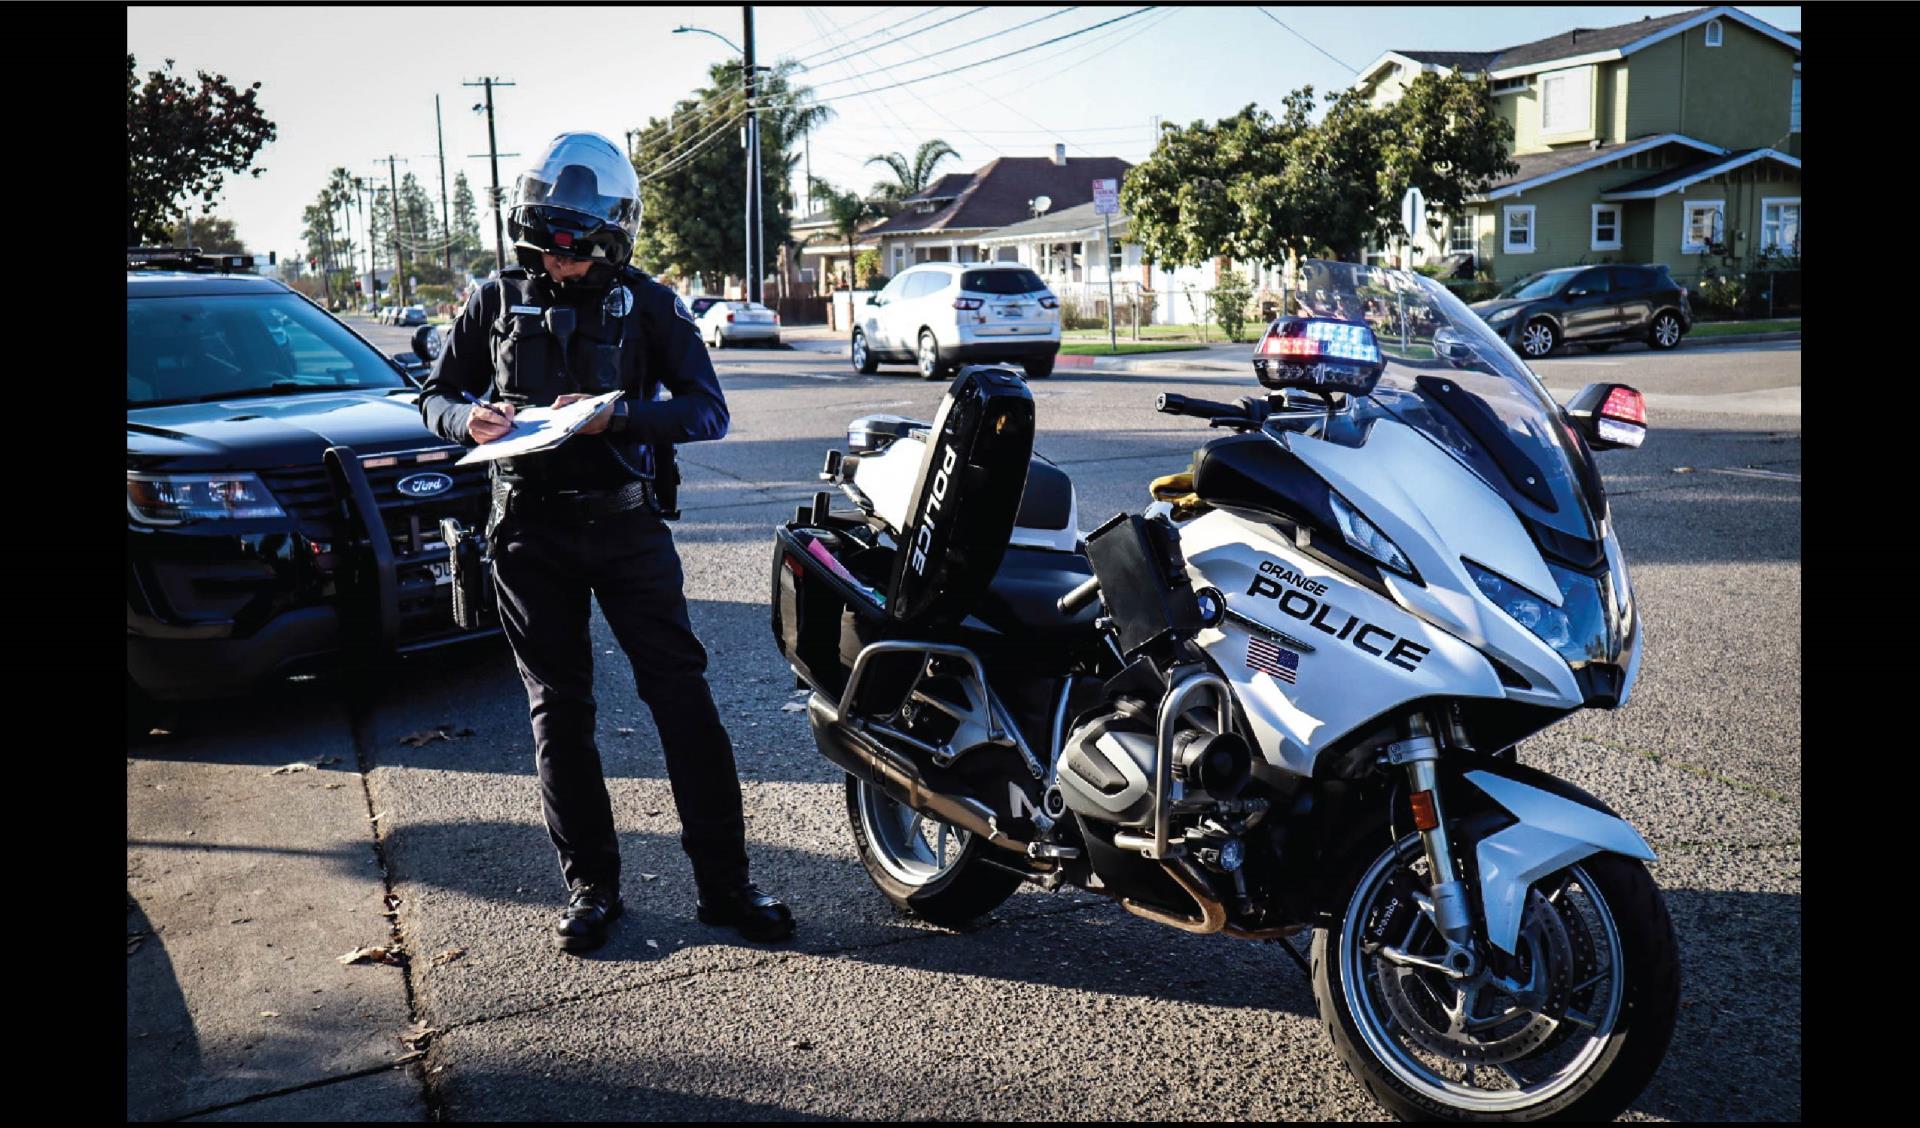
(1573, 1030)
(925, 866)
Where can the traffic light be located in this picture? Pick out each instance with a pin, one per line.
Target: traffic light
(356, 286)
(313, 264)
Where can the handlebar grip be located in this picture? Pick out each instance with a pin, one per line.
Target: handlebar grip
(1071, 603)
(1173, 403)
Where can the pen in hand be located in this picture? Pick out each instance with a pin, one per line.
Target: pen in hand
(483, 405)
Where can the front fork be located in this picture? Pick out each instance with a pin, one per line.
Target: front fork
(1419, 754)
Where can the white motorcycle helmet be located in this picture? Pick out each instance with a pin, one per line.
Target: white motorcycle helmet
(581, 201)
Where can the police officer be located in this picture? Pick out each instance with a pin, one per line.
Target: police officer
(575, 319)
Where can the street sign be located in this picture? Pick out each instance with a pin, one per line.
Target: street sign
(1413, 211)
(1106, 197)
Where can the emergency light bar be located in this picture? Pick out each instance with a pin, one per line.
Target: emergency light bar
(1321, 354)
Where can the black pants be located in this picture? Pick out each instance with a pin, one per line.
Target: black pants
(543, 568)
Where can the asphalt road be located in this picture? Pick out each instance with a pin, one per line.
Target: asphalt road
(246, 885)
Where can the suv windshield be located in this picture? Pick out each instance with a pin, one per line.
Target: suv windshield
(1538, 285)
(195, 347)
(1450, 378)
(1001, 282)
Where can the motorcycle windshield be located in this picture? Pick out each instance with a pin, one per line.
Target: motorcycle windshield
(1450, 377)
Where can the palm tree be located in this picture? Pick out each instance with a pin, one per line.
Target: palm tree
(847, 210)
(910, 176)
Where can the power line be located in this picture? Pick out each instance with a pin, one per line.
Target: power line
(1304, 39)
(916, 97)
(996, 58)
(876, 14)
(889, 43)
(691, 150)
(969, 43)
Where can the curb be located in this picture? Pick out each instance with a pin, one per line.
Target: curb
(1744, 338)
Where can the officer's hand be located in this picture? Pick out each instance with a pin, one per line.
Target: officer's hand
(600, 420)
(485, 426)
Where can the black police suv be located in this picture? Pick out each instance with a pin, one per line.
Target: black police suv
(283, 500)
(1595, 306)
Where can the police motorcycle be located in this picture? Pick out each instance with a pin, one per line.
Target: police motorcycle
(1288, 695)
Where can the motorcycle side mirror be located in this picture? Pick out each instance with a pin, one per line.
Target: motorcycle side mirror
(427, 343)
(1609, 416)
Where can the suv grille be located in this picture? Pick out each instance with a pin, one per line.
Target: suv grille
(413, 523)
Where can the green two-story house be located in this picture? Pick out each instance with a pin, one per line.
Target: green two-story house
(1659, 141)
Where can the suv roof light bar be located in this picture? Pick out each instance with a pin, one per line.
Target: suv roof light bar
(193, 259)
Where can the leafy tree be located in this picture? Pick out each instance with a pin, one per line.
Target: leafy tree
(182, 140)
(866, 271)
(1262, 189)
(910, 176)
(692, 169)
(210, 233)
(1230, 297)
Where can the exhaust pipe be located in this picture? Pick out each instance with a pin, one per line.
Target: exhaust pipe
(899, 778)
(1213, 914)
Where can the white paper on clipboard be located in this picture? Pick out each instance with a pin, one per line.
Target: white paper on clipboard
(540, 428)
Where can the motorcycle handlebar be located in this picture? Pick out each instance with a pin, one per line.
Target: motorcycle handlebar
(1071, 603)
(1173, 403)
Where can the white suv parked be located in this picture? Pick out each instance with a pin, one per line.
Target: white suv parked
(938, 315)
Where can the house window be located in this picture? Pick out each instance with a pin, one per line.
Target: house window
(1780, 225)
(1509, 85)
(899, 257)
(1606, 227)
(1703, 225)
(1460, 240)
(1713, 33)
(1566, 101)
(1793, 116)
(1519, 230)
(1116, 258)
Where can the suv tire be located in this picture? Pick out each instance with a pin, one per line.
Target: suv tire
(1039, 368)
(928, 357)
(1665, 332)
(1538, 339)
(864, 362)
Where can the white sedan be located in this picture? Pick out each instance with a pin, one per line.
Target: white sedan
(729, 322)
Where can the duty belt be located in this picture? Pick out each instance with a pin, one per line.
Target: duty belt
(575, 505)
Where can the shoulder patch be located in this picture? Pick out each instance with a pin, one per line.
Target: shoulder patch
(680, 310)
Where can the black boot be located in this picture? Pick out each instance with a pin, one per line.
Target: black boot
(760, 917)
(583, 924)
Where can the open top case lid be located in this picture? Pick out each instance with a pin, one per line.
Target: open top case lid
(966, 497)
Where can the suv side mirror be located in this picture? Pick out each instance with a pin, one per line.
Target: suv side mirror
(427, 343)
(876, 300)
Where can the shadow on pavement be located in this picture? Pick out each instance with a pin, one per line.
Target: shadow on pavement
(163, 1051)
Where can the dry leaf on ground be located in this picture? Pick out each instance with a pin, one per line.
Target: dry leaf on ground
(442, 959)
(418, 1037)
(286, 769)
(374, 954)
(269, 1014)
(437, 732)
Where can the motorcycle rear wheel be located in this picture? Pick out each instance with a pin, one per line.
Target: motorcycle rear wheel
(1582, 1048)
(922, 865)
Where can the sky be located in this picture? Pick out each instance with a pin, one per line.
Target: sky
(349, 86)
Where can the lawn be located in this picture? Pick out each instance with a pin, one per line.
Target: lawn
(1099, 348)
(1722, 328)
(1212, 335)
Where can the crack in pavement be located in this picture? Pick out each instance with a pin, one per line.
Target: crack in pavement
(360, 724)
(769, 959)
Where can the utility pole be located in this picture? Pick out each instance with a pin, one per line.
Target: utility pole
(754, 228)
(493, 153)
(446, 228)
(399, 253)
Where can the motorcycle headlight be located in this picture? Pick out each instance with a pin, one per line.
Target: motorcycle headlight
(175, 499)
(1362, 534)
(1577, 629)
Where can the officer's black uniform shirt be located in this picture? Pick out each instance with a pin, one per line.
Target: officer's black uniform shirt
(662, 349)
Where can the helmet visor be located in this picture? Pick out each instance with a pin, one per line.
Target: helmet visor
(576, 190)
(568, 234)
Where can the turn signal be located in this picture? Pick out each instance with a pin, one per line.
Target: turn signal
(1423, 817)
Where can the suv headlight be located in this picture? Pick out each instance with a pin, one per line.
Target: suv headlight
(1362, 534)
(1577, 629)
(175, 499)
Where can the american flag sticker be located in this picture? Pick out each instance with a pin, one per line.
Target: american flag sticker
(1271, 658)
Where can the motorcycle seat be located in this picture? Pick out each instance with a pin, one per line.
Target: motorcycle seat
(1024, 595)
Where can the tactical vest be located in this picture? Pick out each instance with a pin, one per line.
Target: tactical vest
(532, 366)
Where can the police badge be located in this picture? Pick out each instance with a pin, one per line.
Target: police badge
(618, 304)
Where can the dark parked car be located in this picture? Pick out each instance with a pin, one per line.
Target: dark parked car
(1595, 306)
(283, 499)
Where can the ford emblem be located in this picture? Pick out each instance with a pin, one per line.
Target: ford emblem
(424, 485)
